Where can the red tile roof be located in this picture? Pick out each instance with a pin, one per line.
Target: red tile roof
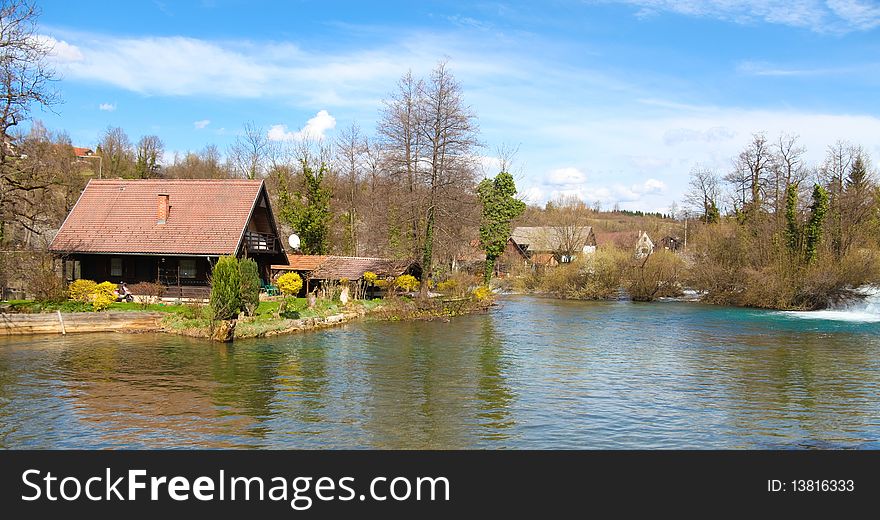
(82, 152)
(206, 217)
(302, 262)
(331, 267)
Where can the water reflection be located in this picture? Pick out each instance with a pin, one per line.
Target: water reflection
(532, 374)
(493, 392)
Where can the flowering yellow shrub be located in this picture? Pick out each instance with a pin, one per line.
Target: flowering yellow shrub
(103, 295)
(482, 293)
(81, 290)
(381, 283)
(447, 286)
(370, 277)
(289, 284)
(407, 282)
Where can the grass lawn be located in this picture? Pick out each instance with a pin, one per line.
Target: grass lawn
(32, 307)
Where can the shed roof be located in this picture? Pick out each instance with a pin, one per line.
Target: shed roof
(302, 262)
(353, 268)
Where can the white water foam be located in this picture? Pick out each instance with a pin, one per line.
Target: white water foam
(866, 310)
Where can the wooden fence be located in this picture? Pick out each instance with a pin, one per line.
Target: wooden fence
(73, 322)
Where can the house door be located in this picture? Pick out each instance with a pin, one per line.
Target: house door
(169, 274)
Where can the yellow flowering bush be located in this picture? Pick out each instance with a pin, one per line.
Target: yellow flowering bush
(407, 282)
(103, 295)
(482, 293)
(289, 284)
(370, 277)
(448, 286)
(81, 290)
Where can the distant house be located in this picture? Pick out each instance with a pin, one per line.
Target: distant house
(554, 245)
(316, 270)
(83, 152)
(670, 243)
(644, 246)
(167, 231)
(472, 259)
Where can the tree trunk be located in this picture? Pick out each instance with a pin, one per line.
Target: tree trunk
(428, 255)
(490, 268)
(224, 332)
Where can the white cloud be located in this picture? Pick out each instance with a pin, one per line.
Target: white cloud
(676, 136)
(61, 51)
(315, 128)
(565, 176)
(861, 14)
(201, 123)
(107, 107)
(674, 142)
(820, 16)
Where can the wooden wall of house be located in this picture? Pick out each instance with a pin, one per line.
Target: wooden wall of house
(137, 268)
(259, 221)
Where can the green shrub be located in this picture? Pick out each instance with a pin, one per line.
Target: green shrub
(289, 284)
(250, 285)
(225, 289)
(292, 307)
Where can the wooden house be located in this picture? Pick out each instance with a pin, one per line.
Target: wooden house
(554, 245)
(169, 231)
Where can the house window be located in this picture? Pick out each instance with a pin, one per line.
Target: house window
(73, 270)
(188, 268)
(116, 267)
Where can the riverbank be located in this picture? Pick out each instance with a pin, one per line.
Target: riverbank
(193, 320)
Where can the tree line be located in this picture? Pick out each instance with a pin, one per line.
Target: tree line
(775, 231)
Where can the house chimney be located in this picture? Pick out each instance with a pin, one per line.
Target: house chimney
(162, 208)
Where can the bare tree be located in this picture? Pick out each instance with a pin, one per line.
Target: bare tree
(351, 151)
(117, 153)
(205, 164)
(839, 159)
(25, 80)
(568, 230)
(404, 145)
(756, 159)
(149, 152)
(788, 168)
(247, 154)
(702, 195)
(449, 130)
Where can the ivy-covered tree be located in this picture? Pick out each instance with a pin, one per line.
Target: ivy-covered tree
(813, 233)
(308, 212)
(792, 227)
(500, 207)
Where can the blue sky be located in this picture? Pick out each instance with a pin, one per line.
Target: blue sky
(611, 100)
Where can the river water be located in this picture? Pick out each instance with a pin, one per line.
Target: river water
(533, 373)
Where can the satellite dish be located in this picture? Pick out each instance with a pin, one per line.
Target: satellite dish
(293, 240)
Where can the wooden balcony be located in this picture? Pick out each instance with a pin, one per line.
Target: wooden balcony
(260, 242)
